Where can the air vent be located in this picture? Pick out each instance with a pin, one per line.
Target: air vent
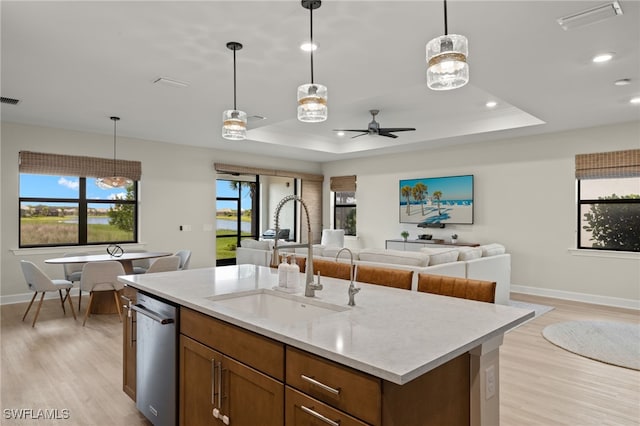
(590, 16)
(9, 101)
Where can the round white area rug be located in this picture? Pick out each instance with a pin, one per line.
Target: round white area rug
(616, 343)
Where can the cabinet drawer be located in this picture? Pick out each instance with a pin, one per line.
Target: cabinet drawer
(263, 354)
(349, 390)
(302, 410)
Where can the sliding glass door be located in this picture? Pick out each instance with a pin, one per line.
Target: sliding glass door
(236, 214)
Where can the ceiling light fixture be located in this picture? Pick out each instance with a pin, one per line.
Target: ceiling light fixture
(234, 122)
(491, 104)
(622, 82)
(308, 47)
(602, 57)
(114, 181)
(312, 98)
(635, 101)
(447, 66)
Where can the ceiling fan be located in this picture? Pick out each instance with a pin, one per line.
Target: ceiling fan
(374, 128)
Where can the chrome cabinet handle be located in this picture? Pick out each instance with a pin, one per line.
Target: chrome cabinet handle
(319, 416)
(213, 382)
(320, 384)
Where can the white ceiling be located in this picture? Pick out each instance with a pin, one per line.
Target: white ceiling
(74, 64)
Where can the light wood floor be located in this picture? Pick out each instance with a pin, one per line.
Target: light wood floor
(61, 365)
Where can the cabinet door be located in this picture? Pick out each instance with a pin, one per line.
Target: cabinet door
(251, 398)
(128, 298)
(199, 389)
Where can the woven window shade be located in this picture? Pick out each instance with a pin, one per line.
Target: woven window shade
(74, 165)
(616, 164)
(244, 170)
(311, 193)
(343, 183)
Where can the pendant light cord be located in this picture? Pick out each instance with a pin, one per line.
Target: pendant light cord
(446, 32)
(114, 147)
(311, 41)
(234, 80)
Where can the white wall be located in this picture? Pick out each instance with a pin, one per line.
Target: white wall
(525, 198)
(177, 188)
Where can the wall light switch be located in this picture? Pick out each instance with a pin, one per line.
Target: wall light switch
(187, 227)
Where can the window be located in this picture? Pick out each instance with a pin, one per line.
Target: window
(609, 200)
(344, 203)
(344, 213)
(236, 214)
(72, 210)
(609, 214)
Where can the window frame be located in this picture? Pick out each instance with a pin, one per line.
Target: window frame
(581, 202)
(337, 206)
(83, 202)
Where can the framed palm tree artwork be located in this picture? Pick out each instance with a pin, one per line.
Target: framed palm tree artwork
(436, 200)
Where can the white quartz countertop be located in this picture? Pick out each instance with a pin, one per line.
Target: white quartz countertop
(393, 334)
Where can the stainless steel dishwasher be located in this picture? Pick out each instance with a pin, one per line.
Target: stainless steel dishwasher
(156, 359)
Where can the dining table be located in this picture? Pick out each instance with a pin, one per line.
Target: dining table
(103, 302)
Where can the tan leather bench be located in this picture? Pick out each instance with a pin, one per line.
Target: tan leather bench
(328, 268)
(397, 278)
(483, 291)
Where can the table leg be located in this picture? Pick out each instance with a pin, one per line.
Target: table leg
(127, 265)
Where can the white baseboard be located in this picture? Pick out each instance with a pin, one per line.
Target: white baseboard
(26, 297)
(577, 297)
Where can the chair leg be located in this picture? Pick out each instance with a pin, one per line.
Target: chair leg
(68, 297)
(38, 310)
(62, 301)
(30, 303)
(115, 296)
(79, 300)
(86, 314)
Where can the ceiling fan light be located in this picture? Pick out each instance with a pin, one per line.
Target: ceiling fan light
(447, 66)
(234, 125)
(312, 103)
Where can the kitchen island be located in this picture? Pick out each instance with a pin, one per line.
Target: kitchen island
(416, 348)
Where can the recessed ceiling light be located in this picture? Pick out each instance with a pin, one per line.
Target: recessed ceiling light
(308, 47)
(623, 82)
(340, 133)
(491, 104)
(635, 101)
(603, 57)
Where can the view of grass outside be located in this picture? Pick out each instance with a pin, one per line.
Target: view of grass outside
(64, 230)
(226, 246)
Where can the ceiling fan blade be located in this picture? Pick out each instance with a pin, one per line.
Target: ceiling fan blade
(361, 134)
(387, 134)
(350, 130)
(397, 129)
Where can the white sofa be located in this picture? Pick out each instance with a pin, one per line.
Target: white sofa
(488, 262)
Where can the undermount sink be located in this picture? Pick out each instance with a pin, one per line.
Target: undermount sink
(275, 306)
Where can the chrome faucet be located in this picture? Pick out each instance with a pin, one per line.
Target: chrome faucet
(352, 289)
(310, 287)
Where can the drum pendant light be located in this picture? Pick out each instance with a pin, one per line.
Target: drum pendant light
(447, 66)
(234, 122)
(115, 181)
(312, 98)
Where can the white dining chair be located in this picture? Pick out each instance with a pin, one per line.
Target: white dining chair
(185, 257)
(73, 271)
(38, 282)
(101, 276)
(140, 266)
(164, 264)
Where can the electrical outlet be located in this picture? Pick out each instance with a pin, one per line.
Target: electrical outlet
(490, 382)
